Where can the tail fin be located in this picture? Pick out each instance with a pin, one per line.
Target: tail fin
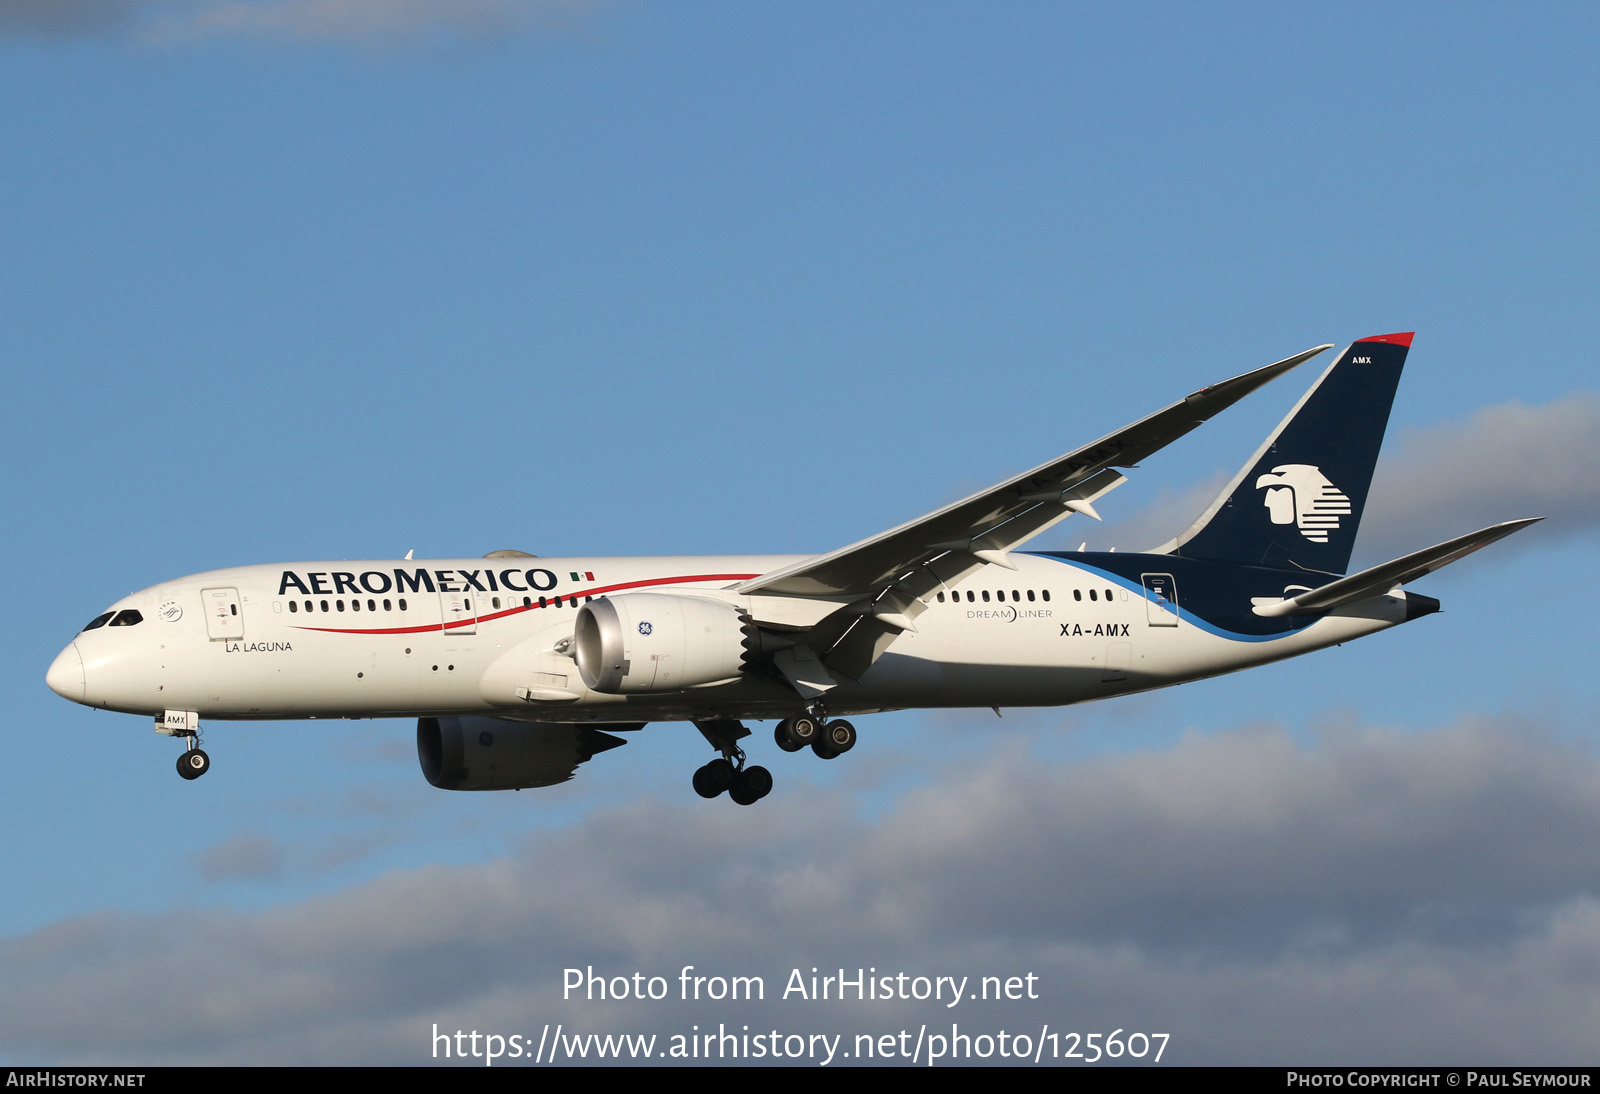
(1298, 502)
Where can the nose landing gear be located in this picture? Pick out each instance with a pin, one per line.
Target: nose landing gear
(186, 724)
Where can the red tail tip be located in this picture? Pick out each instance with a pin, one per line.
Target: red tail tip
(1393, 339)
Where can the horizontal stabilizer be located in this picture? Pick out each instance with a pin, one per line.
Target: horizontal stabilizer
(1380, 579)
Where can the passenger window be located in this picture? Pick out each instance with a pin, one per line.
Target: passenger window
(387, 605)
(1046, 595)
(99, 621)
(1077, 594)
(324, 605)
(294, 605)
(355, 605)
(402, 603)
(1030, 596)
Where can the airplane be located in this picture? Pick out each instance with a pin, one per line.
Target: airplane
(518, 668)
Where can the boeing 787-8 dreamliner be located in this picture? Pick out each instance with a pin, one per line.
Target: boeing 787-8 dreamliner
(516, 667)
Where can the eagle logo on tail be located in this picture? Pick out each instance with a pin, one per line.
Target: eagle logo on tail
(1300, 494)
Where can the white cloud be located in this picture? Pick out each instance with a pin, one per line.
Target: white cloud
(1173, 510)
(390, 22)
(1377, 896)
(250, 857)
(65, 18)
(370, 21)
(1507, 461)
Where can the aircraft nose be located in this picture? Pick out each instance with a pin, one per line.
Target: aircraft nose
(66, 674)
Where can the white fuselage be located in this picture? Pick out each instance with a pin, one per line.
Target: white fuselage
(397, 638)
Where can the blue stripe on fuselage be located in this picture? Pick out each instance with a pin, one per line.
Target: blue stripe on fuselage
(1216, 597)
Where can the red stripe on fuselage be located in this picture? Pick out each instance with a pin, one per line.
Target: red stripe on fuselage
(598, 591)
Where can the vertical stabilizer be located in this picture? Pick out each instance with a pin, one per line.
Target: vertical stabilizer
(1298, 502)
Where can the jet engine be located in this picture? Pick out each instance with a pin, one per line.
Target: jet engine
(652, 642)
(496, 754)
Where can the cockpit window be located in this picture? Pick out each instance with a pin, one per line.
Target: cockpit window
(99, 621)
(127, 617)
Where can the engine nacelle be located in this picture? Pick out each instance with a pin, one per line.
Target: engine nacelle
(496, 754)
(652, 642)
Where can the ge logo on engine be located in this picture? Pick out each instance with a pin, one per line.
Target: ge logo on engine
(645, 628)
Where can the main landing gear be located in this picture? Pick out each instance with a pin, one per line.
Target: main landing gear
(748, 785)
(826, 738)
(745, 785)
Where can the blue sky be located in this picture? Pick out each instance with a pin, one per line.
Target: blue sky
(307, 279)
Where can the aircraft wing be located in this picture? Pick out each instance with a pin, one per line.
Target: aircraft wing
(889, 574)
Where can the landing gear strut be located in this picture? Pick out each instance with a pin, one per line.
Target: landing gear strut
(745, 785)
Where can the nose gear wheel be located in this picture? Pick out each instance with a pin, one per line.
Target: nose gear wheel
(193, 763)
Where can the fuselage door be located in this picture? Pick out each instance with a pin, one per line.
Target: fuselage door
(224, 615)
(460, 616)
(1160, 600)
